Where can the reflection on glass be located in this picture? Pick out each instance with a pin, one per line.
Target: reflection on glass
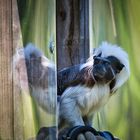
(35, 69)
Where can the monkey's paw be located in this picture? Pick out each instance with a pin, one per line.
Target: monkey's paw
(89, 136)
(85, 133)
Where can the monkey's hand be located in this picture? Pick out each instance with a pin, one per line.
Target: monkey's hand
(89, 136)
(80, 133)
(84, 133)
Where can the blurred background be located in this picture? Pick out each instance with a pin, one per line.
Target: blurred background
(115, 21)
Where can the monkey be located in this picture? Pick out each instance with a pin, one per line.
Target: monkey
(85, 88)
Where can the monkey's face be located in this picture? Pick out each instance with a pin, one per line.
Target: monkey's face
(106, 69)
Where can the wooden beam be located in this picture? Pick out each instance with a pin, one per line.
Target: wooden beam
(72, 37)
(84, 30)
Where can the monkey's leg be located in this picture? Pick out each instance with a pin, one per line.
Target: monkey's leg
(88, 120)
(87, 135)
(70, 112)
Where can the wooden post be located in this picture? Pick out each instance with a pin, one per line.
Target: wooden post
(72, 39)
(6, 95)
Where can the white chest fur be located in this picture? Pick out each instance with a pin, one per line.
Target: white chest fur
(93, 99)
(89, 100)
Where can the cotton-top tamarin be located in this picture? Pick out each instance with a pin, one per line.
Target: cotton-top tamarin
(85, 88)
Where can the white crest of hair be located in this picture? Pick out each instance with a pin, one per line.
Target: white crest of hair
(106, 49)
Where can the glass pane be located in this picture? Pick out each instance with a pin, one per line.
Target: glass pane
(35, 69)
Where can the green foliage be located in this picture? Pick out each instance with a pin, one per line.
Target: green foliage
(117, 21)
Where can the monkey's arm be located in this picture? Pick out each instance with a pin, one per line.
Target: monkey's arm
(67, 77)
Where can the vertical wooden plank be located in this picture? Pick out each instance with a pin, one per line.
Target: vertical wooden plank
(67, 26)
(84, 30)
(72, 37)
(6, 95)
(17, 99)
